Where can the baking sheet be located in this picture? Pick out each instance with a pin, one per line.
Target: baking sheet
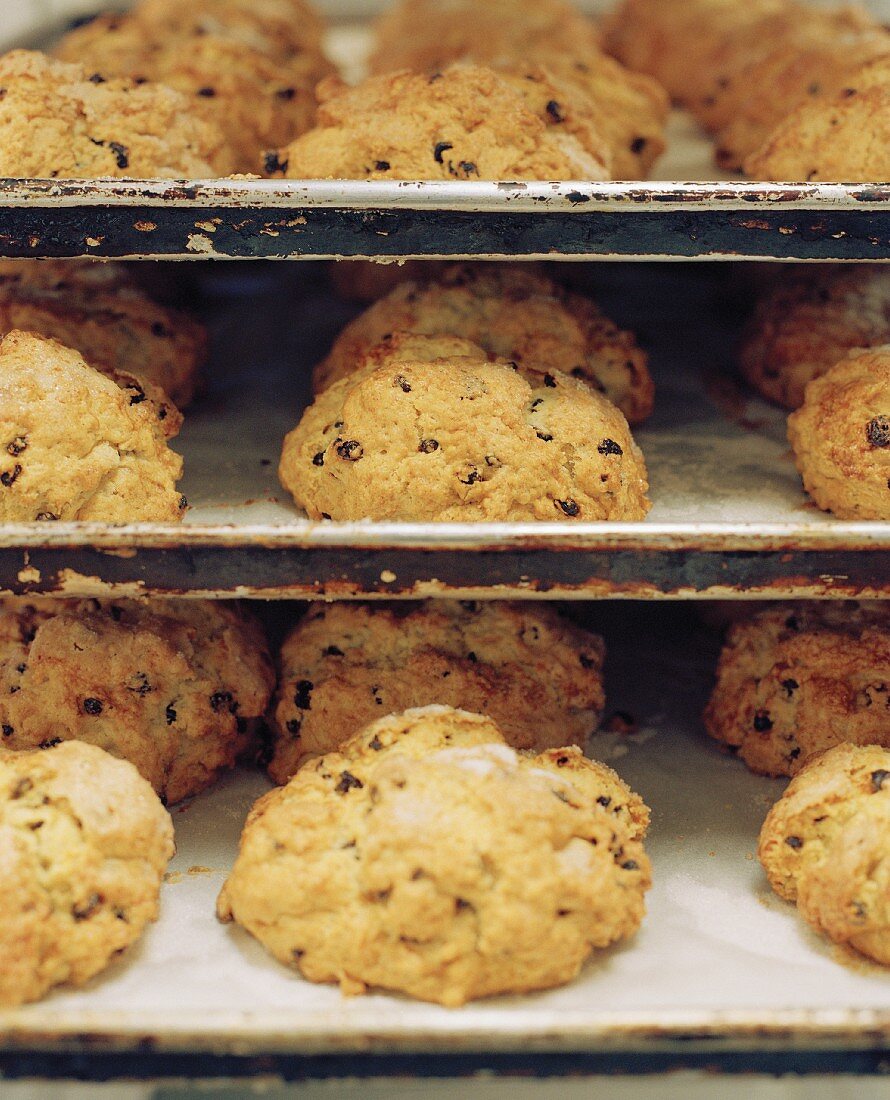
(718, 957)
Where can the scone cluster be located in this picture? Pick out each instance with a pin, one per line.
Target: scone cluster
(790, 92)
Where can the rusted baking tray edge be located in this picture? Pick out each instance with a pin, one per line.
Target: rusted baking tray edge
(275, 219)
(328, 561)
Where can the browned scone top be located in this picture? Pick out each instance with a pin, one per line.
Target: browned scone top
(97, 309)
(808, 321)
(826, 845)
(538, 676)
(465, 122)
(517, 314)
(84, 843)
(428, 858)
(841, 436)
(178, 688)
(77, 445)
(430, 428)
(793, 682)
(57, 122)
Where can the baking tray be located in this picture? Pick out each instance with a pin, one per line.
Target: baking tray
(720, 964)
(730, 518)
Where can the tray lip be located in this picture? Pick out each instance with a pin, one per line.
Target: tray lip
(579, 197)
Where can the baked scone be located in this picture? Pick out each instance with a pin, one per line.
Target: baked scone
(277, 27)
(517, 314)
(98, 310)
(535, 674)
(427, 857)
(826, 845)
(465, 122)
(254, 88)
(78, 445)
(841, 436)
(809, 321)
(178, 688)
(429, 428)
(58, 122)
(792, 682)
(844, 137)
(84, 843)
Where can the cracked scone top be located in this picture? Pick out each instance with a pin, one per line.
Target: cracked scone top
(84, 843)
(178, 688)
(427, 857)
(795, 681)
(826, 845)
(76, 445)
(98, 310)
(464, 123)
(534, 673)
(809, 321)
(428, 428)
(841, 437)
(56, 122)
(521, 316)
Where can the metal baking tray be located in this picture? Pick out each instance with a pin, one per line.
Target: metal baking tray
(720, 964)
(730, 518)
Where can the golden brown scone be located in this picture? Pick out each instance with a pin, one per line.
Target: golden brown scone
(428, 428)
(78, 445)
(841, 436)
(826, 845)
(97, 309)
(84, 843)
(277, 27)
(57, 122)
(842, 138)
(428, 858)
(464, 123)
(536, 675)
(178, 688)
(792, 682)
(257, 90)
(808, 322)
(520, 315)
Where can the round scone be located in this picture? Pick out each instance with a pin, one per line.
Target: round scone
(84, 843)
(58, 122)
(538, 676)
(842, 137)
(77, 445)
(428, 428)
(809, 321)
(463, 123)
(841, 437)
(826, 845)
(178, 688)
(427, 857)
(519, 315)
(98, 310)
(793, 682)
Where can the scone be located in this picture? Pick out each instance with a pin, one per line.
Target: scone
(84, 843)
(254, 87)
(841, 437)
(536, 675)
(98, 310)
(78, 445)
(792, 682)
(429, 428)
(278, 27)
(178, 688)
(809, 321)
(464, 123)
(826, 845)
(517, 314)
(56, 121)
(428, 858)
(843, 137)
